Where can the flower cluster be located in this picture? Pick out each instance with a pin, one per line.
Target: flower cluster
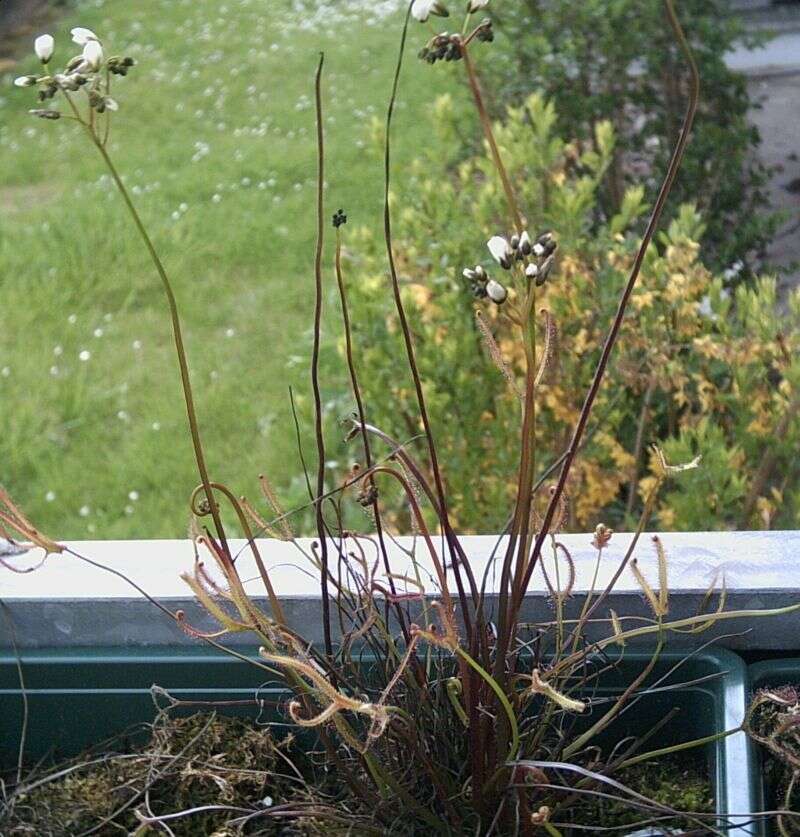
(442, 47)
(89, 70)
(535, 258)
(446, 46)
(482, 286)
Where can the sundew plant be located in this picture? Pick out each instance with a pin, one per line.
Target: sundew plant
(429, 706)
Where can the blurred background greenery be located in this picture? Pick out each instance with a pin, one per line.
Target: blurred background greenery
(215, 139)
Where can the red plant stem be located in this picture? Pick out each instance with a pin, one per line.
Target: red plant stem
(177, 334)
(489, 134)
(666, 187)
(326, 604)
(411, 355)
(348, 336)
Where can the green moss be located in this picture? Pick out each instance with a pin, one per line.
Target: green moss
(681, 782)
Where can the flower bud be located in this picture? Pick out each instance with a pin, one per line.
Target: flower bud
(532, 271)
(475, 5)
(544, 270)
(25, 81)
(43, 47)
(500, 249)
(45, 114)
(496, 292)
(93, 55)
(525, 244)
(66, 82)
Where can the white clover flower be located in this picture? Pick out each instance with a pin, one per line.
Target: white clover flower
(475, 5)
(93, 55)
(500, 250)
(43, 47)
(81, 36)
(423, 9)
(496, 292)
(25, 81)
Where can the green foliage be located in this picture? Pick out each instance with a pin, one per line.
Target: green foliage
(616, 60)
(214, 133)
(713, 373)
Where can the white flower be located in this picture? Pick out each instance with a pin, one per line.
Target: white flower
(25, 81)
(82, 36)
(474, 5)
(111, 104)
(84, 355)
(704, 307)
(423, 9)
(532, 271)
(500, 250)
(93, 55)
(496, 292)
(43, 47)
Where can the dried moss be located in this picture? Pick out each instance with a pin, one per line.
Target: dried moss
(186, 763)
(774, 722)
(218, 760)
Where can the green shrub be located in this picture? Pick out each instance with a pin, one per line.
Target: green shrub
(615, 60)
(715, 374)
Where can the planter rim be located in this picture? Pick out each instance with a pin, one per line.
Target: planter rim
(757, 673)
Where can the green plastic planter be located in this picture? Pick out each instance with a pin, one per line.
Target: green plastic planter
(763, 674)
(704, 708)
(79, 697)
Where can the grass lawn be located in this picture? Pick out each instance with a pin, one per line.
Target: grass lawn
(215, 139)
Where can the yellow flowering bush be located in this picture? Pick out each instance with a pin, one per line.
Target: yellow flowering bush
(695, 368)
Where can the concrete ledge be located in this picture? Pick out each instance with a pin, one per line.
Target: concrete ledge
(68, 602)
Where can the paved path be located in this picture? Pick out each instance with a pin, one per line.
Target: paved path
(773, 73)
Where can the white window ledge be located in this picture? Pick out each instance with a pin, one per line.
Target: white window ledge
(69, 602)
